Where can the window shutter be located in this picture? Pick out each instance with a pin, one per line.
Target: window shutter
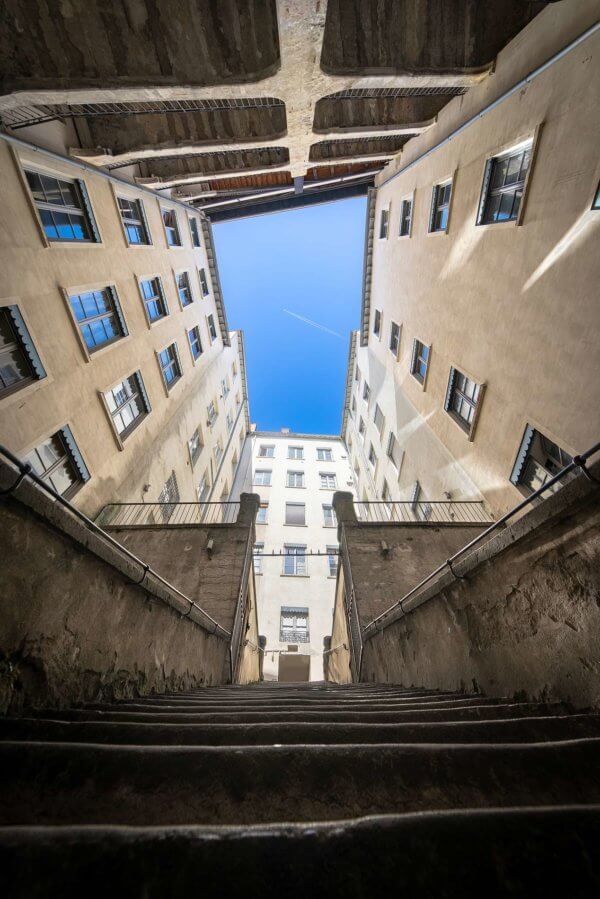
(118, 310)
(449, 389)
(88, 210)
(522, 454)
(434, 194)
(484, 189)
(26, 342)
(145, 221)
(143, 392)
(413, 360)
(76, 456)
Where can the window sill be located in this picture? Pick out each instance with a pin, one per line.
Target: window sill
(288, 525)
(295, 575)
(294, 487)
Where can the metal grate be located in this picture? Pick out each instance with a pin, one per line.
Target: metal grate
(235, 158)
(374, 93)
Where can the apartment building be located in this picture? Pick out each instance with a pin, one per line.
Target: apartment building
(295, 555)
(119, 379)
(473, 374)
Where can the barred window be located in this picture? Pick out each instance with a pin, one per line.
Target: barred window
(293, 626)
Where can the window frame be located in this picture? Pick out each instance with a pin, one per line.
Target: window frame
(141, 279)
(463, 424)
(194, 458)
(379, 429)
(325, 508)
(532, 138)
(417, 358)
(377, 318)
(434, 208)
(257, 556)
(166, 228)
(328, 475)
(177, 274)
(332, 555)
(299, 569)
(410, 199)
(524, 455)
(392, 443)
(291, 475)
(122, 436)
(142, 221)
(292, 633)
(73, 455)
(194, 219)
(267, 455)
(203, 282)
(395, 353)
(211, 327)
(117, 311)
(169, 387)
(384, 223)
(293, 524)
(328, 457)
(23, 167)
(265, 506)
(27, 349)
(198, 337)
(299, 458)
(262, 471)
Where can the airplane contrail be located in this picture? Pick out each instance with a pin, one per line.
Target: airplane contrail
(308, 321)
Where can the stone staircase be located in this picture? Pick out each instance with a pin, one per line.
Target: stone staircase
(301, 789)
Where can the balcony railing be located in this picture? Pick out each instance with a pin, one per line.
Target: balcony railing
(129, 515)
(446, 512)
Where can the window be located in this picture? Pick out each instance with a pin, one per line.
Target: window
(58, 462)
(353, 406)
(194, 231)
(261, 517)
(154, 299)
(295, 479)
(377, 324)
(324, 454)
(98, 316)
(267, 450)
(293, 626)
(372, 457)
(596, 202)
(218, 451)
(295, 452)
(238, 401)
(295, 513)
(63, 207)
(212, 331)
(440, 207)
(405, 218)
(538, 460)
(419, 361)
(127, 404)
(195, 445)
(294, 560)
(184, 289)
(212, 412)
(168, 497)
(19, 361)
(366, 392)
(394, 339)
(134, 222)
(257, 556)
(262, 477)
(463, 400)
(203, 282)
(503, 185)
(225, 387)
(170, 365)
(328, 481)
(169, 217)
(332, 560)
(229, 422)
(357, 374)
(204, 487)
(233, 371)
(384, 223)
(394, 452)
(361, 429)
(195, 342)
(421, 509)
(378, 419)
(329, 517)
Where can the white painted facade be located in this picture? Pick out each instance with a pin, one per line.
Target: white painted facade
(304, 585)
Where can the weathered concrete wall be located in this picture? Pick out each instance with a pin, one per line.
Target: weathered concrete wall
(249, 670)
(381, 577)
(73, 625)
(336, 662)
(526, 621)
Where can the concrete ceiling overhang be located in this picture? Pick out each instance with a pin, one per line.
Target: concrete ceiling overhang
(189, 95)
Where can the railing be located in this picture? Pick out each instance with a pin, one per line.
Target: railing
(447, 512)
(354, 628)
(241, 610)
(578, 462)
(25, 471)
(129, 515)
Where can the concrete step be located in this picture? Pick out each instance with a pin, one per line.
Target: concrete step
(405, 714)
(511, 852)
(510, 730)
(63, 783)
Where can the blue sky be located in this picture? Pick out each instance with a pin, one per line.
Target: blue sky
(307, 261)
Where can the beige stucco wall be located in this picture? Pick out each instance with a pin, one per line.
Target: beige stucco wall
(34, 276)
(514, 307)
(337, 660)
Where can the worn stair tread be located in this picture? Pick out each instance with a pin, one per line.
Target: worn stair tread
(64, 783)
(531, 729)
(511, 852)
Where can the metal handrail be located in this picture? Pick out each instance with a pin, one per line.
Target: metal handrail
(239, 618)
(577, 462)
(25, 470)
(421, 511)
(167, 514)
(354, 629)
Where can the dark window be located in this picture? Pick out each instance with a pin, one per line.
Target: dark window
(57, 462)
(19, 361)
(169, 497)
(212, 331)
(195, 342)
(394, 338)
(134, 221)
(383, 223)
(405, 217)
(203, 282)
(98, 316)
(63, 208)
(194, 232)
(503, 186)
(127, 403)
(184, 288)
(538, 460)
(377, 323)
(295, 513)
(154, 299)
(171, 227)
(170, 365)
(463, 399)
(440, 206)
(596, 203)
(420, 361)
